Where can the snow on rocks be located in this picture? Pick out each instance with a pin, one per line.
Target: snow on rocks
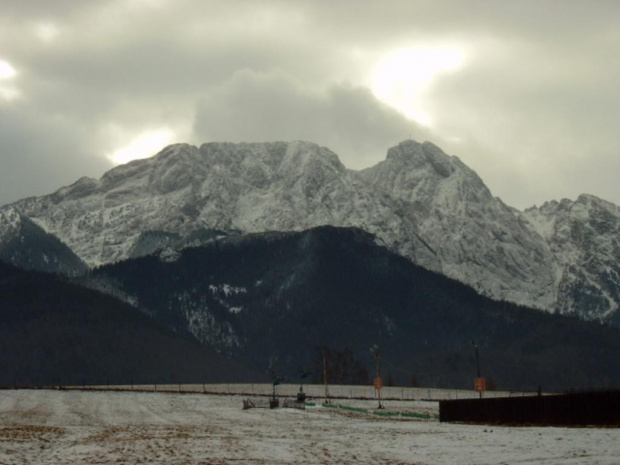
(10, 219)
(584, 239)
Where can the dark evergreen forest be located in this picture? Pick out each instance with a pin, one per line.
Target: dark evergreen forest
(53, 332)
(291, 296)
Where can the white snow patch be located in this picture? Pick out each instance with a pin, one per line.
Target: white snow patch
(226, 289)
(10, 219)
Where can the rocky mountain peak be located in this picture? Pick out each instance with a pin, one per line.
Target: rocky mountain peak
(587, 210)
(282, 158)
(417, 156)
(81, 188)
(583, 236)
(426, 176)
(450, 207)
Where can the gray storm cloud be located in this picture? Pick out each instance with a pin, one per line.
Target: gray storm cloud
(265, 107)
(533, 109)
(39, 153)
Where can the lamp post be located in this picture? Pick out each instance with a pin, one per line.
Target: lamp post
(477, 357)
(303, 374)
(327, 401)
(274, 402)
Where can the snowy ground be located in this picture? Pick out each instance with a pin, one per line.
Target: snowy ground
(66, 427)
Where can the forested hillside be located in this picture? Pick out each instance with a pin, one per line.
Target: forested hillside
(276, 300)
(54, 332)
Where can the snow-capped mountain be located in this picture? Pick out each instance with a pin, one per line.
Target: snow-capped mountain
(475, 236)
(184, 190)
(584, 237)
(419, 202)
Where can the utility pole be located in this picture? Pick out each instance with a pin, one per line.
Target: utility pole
(479, 381)
(477, 358)
(378, 380)
(325, 379)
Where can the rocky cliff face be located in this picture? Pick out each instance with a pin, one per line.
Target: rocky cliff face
(419, 202)
(475, 236)
(584, 238)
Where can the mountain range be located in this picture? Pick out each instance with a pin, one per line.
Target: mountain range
(199, 262)
(425, 205)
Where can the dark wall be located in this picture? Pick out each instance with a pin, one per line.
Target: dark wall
(579, 409)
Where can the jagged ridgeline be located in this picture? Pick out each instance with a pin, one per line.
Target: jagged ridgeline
(277, 300)
(419, 202)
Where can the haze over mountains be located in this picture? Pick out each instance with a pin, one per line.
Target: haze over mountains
(420, 203)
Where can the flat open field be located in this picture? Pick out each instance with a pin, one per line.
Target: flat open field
(66, 427)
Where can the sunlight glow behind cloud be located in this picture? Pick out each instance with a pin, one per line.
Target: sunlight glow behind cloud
(145, 145)
(6, 70)
(7, 91)
(403, 76)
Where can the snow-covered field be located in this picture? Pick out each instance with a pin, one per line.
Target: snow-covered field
(75, 427)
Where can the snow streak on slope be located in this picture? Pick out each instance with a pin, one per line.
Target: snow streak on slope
(10, 220)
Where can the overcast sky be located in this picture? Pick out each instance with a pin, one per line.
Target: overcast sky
(527, 93)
